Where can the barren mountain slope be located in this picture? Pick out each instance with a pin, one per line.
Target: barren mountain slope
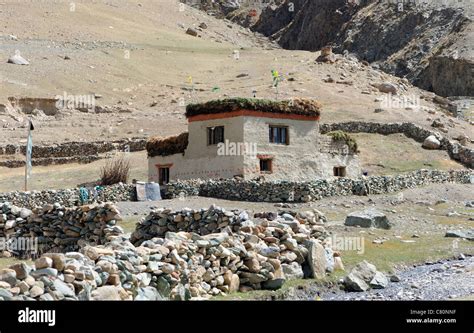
(430, 44)
(137, 57)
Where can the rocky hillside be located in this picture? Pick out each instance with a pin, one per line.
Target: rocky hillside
(429, 44)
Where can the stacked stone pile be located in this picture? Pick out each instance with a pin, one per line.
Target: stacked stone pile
(59, 229)
(224, 251)
(179, 266)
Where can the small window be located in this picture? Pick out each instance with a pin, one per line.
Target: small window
(340, 171)
(215, 135)
(164, 175)
(279, 135)
(266, 165)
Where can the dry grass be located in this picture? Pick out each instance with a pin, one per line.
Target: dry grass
(116, 170)
(300, 106)
(158, 146)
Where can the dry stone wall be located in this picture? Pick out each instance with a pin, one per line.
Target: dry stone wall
(68, 152)
(69, 197)
(56, 228)
(284, 191)
(456, 151)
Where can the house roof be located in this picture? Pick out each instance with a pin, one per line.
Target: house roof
(158, 146)
(296, 106)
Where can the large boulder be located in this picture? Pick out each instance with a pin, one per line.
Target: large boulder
(431, 142)
(379, 281)
(360, 277)
(316, 261)
(370, 218)
(468, 234)
(388, 88)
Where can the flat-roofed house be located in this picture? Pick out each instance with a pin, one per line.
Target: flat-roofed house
(250, 138)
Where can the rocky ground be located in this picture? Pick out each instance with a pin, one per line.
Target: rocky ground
(446, 279)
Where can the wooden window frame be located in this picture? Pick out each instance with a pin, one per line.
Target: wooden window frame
(265, 159)
(271, 137)
(337, 171)
(212, 140)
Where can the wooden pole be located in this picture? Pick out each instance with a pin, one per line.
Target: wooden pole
(26, 162)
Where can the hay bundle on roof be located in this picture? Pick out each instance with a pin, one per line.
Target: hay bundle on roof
(158, 146)
(300, 106)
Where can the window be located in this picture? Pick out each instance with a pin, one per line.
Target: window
(164, 175)
(340, 171)
(266, 165)
(215, 135)
(279, 135)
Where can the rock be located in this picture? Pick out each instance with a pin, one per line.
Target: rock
(43, 262)
(379, 281)
(370, 218)
(192, 32)
(273, 284)
(292, 271)
(387, 88)
(431, 142)
(36, 291)
(253, 265)
(360, 277)
(5, 285)
(353, 282)
(25, 213)
(338, 265)
(468, 234)
(316, 259)
(203, 25)
(22, 270)
(44, 272)
(6, 295)
(106, 293)
(395, 278)
(17, 60)
(148, 294)
(59, 260)
(8, 275)
(326, 55)
(63, 288)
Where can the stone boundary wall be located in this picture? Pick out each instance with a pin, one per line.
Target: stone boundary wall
(69, 152)
(283, 191)
(68, 197)
(57, 228)
(455, 150)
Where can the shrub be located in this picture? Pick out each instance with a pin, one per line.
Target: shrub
(116, 170)
(343, 136)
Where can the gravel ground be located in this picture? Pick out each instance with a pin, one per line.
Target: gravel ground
(431, 281)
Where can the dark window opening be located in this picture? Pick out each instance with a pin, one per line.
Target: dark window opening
(266, 166)
(340, 171)
(279, 135)
(164, 175)
(215, 135)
